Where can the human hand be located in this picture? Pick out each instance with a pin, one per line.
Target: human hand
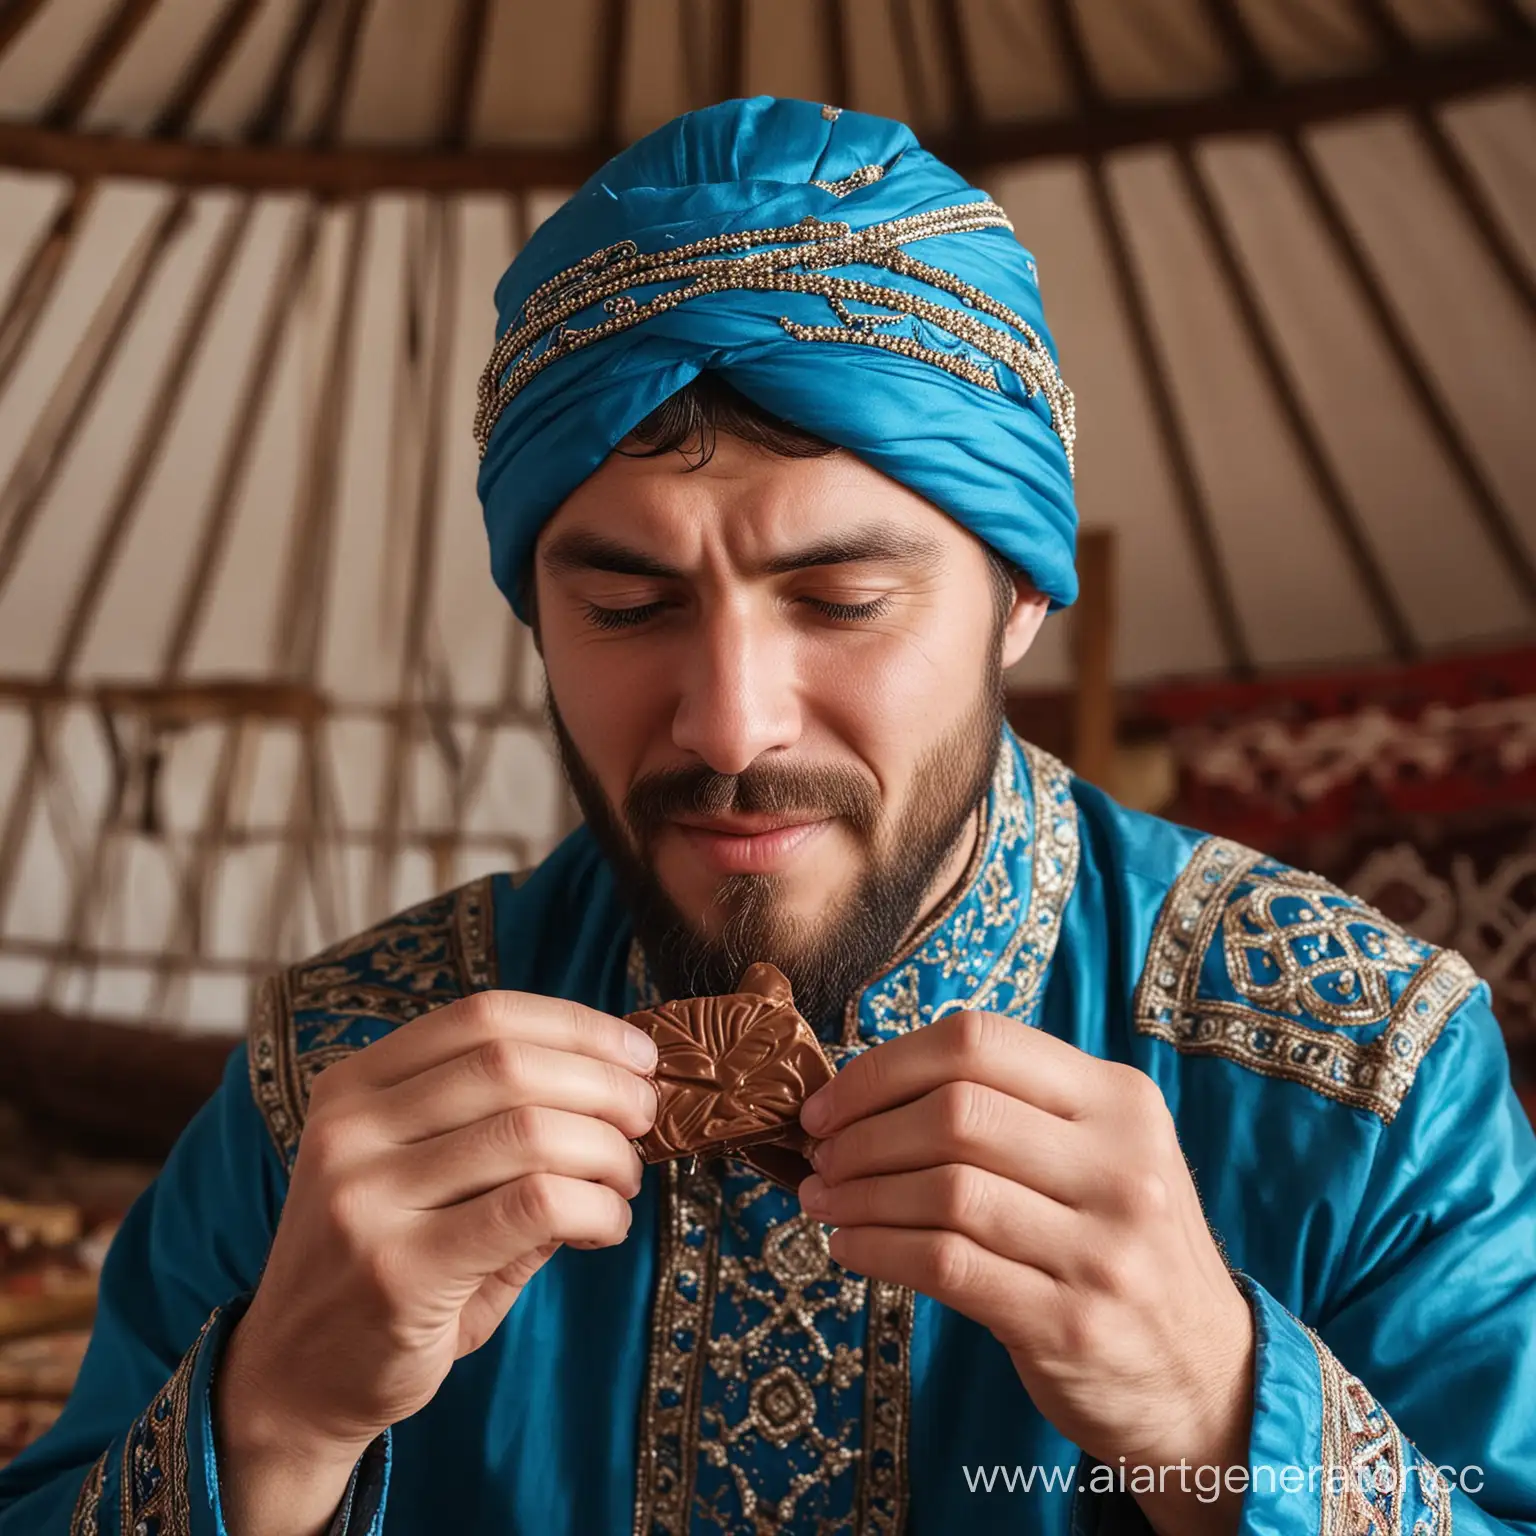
(1042, 1192)
(439, 1168)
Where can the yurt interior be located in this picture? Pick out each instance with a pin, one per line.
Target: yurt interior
(258, 691)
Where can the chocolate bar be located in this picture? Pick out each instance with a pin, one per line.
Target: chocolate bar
(731, 1074)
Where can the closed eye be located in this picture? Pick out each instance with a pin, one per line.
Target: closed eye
(851, 613)
(842, 613)
(621, 618)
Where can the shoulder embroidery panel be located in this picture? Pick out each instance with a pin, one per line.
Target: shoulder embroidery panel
(351, 994)
(1320, 989)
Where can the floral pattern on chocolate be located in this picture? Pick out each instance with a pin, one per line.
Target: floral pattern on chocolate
(732, 1071)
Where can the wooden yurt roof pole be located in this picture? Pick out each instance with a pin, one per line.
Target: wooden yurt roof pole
(48, 443)
(186, 942)
(733, 49)
(29, 293)
(964, 106)
(1341, 511)
(14, 18)
(1191, 496)
(109, 44)
(343, 67)
(1398, 46)
(1507, 543)
(308, 581)
(291, 278)
(218, 46)
(413, 685)
(273, 111)
(309, 564)
(610, 71)
(908, 52)
(834, 28)
(463, 81)
(192, 337)
(354, 169)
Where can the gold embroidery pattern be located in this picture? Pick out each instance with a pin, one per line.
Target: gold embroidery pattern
(356, 991)
(1293, 944)
(1374, 1481)
(685, 1295)
(781, 1370)
(882, 1508)
(154, 1499)
(792, 258)
(83, 1521)
(1298, 945)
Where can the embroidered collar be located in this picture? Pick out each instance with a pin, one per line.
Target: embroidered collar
(990, 944)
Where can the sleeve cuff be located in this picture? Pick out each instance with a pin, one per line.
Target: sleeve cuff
(1323, 1453)
(361, 1511)
(163, 1474)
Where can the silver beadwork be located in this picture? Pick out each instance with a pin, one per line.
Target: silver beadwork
(793, 258)
(865, 176)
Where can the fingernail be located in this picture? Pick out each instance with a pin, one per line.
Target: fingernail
(817, 1155)
(816, 1112)
(813, 1194)
(641, 1048)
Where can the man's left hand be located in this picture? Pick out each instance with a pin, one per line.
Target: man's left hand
(1042, 1192)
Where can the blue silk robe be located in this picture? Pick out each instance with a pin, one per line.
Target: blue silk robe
(1340, 1090)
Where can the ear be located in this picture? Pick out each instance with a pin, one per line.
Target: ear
(1024, 619)
(767, 981)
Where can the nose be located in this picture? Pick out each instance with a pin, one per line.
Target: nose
(738, 693)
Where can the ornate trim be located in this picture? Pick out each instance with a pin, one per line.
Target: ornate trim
(792, 258)
(1374, 1481)
(83, 1522)
(349, 995)
(154, 1499)
(883, 1491)
(1323, 959)
(686, 1270)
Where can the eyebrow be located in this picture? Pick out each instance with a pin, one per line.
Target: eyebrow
(579, 550)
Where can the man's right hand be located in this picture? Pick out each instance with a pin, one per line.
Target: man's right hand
(438, 1169)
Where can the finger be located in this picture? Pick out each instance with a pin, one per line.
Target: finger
(1005, 1218)
(532, 1139)
(953, 1270)
(506, 1072)
(473, 1021)
(506, 1224)
(963, 1123)
(982, 1047)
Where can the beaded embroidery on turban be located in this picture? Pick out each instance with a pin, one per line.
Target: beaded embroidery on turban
(790, 260)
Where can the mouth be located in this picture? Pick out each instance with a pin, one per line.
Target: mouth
(748, 844)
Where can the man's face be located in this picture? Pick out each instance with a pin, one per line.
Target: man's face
(776, 688)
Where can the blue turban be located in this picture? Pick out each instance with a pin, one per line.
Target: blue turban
(751, 239)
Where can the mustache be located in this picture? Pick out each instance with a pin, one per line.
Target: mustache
(765, 788)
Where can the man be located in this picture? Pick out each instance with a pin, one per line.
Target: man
(1161, 1187)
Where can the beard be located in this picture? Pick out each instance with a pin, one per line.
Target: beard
(828, 955)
